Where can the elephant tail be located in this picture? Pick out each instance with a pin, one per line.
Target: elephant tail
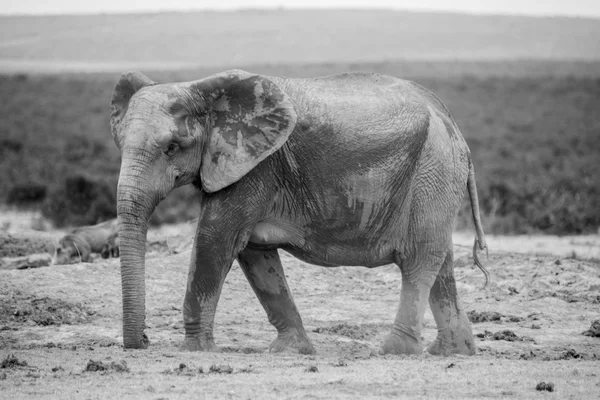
(480, 239)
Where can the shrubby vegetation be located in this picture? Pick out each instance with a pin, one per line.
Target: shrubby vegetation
(535, 139)
(80, 201)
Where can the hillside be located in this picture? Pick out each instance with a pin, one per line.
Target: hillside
(211, 39)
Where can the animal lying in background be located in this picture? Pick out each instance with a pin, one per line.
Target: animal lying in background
(111, 247)
(78, 245)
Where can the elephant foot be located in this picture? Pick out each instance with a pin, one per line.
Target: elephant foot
(143, 343)
(196, 344)
(292, 338)
(401, 343)
(448, 343)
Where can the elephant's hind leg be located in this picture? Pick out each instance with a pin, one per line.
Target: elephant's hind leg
(265, 274)
(418, 274)
(454, 329)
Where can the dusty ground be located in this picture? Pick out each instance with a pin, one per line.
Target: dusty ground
(60, 331)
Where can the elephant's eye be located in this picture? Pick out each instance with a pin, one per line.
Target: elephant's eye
(171, 149)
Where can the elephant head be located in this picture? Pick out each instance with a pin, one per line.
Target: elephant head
(209, 132)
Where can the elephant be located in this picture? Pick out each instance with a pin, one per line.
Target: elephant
(79, 244)
(355, 169)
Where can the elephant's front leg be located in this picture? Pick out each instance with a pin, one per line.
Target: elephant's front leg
(208, 270)
(265, 274)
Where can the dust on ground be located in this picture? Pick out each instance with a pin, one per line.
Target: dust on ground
(60, 332)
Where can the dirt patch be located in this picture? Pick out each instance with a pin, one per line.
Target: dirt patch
(484, 316)
(243, 350)
(571, 354)
(12, 362)
(183, 369)
(506, 335)
(529, 334)
(225, 369)
(356, 332)
(17, 309)
(99, 366)
(220, 369)
(594, 330)
(491, 316)
(543, 386)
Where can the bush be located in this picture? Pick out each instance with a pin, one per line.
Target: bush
(26, 194)
(81, 201)
(79, 148)
(10, 146)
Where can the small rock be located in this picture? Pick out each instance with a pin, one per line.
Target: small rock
(484, 316)
(247, 370)
(451, 365)
(514, 318)
(56, 369)
(512, 290)
(220, 369)
(543, 386)
(341, 363)
(570, 354)
(594, 330)
(95, 366)
(119, 367)
(312, 368)
(507, 335)
(99, 366)
(12, 362)
(535, 326)
(557, 262)
(534, 316)
(527, 356)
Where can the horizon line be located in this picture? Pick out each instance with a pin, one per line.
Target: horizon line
(294, 9)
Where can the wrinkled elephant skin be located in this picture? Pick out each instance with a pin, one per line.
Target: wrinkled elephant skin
(353, 169)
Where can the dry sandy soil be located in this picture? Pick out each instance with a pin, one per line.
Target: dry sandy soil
(60, 331)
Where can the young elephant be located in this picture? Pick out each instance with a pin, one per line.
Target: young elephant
(80, 243)
(352, 169)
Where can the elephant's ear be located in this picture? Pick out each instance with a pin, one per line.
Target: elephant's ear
(249, 118)
(128, 84)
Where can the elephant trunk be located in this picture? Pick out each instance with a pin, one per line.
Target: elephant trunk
(135, 204)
